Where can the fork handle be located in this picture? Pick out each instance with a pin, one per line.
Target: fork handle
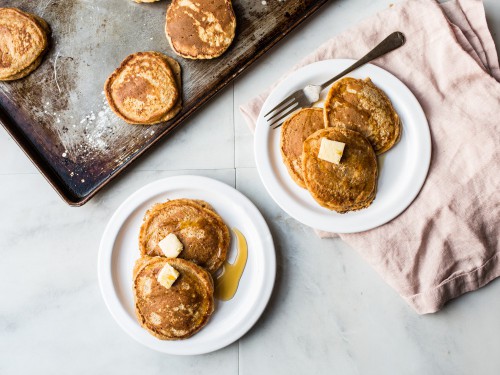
(392, 42)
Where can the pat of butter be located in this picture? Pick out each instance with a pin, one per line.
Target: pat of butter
(167, 276)
(171, 246)
(331, 150)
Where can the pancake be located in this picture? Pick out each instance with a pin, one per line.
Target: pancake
(202, 232)
(144, 89)
(348, 186)
(360, 105)
(294, 132)
(23, 42)
(200, 29)
(178, 312)
(23, 73)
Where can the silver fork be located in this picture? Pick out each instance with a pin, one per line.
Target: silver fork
(310, 94)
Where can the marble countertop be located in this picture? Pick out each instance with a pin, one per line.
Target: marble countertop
(329, 311)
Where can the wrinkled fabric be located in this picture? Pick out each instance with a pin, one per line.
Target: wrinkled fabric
(446, 243)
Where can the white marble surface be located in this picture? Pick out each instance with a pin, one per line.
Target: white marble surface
(329, 312)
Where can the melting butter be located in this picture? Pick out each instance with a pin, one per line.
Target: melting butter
(226, 284)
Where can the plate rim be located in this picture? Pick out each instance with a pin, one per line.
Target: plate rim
(319, 225)
(123, 212)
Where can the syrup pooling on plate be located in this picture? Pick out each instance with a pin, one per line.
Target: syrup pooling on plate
(226, 284)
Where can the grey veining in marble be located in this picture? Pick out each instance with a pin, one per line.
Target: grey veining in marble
(329, 313)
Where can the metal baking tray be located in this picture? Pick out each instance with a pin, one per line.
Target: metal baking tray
(58, 114)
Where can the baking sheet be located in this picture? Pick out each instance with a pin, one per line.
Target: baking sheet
(59, 115)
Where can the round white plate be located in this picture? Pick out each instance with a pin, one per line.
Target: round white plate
(402, 170)
(119, 250)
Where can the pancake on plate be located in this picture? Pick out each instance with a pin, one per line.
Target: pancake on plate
(360, 105)
(23, 43)
(200, 29)
(294, 132)
(202, 232)
(145, 88)
(347, 186)
(179, 311)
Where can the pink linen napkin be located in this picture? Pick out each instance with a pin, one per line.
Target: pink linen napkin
(447, 242)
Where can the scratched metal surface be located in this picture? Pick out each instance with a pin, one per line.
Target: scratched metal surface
(59, 115)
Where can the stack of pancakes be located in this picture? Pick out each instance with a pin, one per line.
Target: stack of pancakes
(145, 89)
(185, 308)
(24, 41)
(356, 113)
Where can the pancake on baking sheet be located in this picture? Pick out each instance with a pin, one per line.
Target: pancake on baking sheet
(25, 72)
(347, 186)
(200, 29)
(23, 43)
(145, 88)
(360, 105)
(294, 132)
(179, 311)
(202, 232)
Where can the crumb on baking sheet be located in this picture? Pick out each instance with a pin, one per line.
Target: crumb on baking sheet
(264, 2)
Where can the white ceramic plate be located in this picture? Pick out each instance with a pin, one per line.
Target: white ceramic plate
(119, 250)
(402, 170)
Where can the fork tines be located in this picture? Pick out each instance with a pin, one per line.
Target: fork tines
(292, 107)
(290, 104)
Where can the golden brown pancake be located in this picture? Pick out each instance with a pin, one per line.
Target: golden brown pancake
(294, 132)
(360, 105)
(23, 73)
(144, 89)
(178, 312)
(23, 42)
(200, 29)
(348, 186)
(204, 235)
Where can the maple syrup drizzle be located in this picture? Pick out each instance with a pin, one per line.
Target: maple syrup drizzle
(226, 283)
